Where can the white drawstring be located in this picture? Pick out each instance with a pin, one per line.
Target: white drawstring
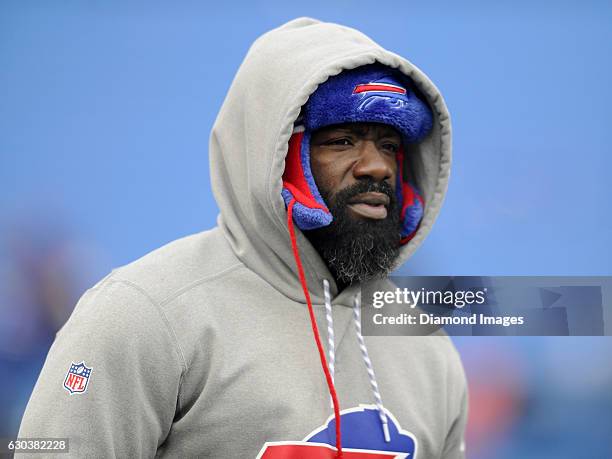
(369, 367)
(364, 353)
(330, 331)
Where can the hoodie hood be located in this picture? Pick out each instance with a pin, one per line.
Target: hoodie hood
(249, 143)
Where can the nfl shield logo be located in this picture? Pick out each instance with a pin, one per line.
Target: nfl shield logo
(77, 378)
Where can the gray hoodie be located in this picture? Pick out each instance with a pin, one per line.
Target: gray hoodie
(204, 347)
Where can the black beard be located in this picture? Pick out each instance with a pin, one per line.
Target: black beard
(358, 250)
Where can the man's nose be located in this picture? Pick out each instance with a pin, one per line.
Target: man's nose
(373, 163)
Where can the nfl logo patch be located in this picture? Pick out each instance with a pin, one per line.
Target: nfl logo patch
(77, 378)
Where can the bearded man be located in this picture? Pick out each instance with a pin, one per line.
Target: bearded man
(329, 162)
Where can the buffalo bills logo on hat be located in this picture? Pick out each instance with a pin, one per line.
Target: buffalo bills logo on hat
(77, 378)
(362, 438)
(381, 95)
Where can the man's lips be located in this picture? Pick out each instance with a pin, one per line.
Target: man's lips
(370, 205)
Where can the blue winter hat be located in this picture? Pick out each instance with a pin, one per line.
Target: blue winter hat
(371, 94)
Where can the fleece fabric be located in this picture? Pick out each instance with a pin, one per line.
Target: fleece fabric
(204, 348)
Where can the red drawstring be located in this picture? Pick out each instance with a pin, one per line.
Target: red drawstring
(315, 329)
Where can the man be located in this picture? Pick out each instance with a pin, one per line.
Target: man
(204, 347)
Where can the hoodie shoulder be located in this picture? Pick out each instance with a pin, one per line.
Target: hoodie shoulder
(179, 265)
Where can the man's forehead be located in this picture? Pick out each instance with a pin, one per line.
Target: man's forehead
(361, 128)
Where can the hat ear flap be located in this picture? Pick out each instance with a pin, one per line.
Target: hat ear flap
(309, 210)
(410, 202)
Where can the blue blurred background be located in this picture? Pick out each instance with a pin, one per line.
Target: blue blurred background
(105, 112)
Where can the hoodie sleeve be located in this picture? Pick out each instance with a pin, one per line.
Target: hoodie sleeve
(125, 405)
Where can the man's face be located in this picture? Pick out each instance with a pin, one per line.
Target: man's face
(355, 168)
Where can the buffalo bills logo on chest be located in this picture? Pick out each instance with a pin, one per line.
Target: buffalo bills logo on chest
(362, 438)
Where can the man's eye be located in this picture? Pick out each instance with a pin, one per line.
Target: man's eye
(338, 142)
(392, 147)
